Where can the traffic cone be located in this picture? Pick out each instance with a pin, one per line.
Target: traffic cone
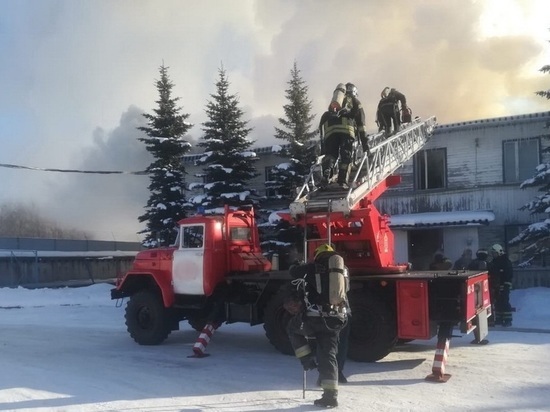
(199, 348)
(440, 360)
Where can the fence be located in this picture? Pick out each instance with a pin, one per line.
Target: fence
(30, 261)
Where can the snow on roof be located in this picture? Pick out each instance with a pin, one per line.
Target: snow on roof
(477, 217)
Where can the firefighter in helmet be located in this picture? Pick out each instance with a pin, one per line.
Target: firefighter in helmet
(316, 317)
(388, 112)
(339, 127)
(500, 279)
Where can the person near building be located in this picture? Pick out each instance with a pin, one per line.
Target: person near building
(464, 260)
(338, 127)
(500, 280)
(441, 262)
(389, 113)
(480, 262)
(317, 299)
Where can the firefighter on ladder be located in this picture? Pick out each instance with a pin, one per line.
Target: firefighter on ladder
(339, 126)
(388, 110)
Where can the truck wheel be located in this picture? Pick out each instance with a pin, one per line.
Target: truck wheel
(373, 332)
(147, 320)
(276, 319)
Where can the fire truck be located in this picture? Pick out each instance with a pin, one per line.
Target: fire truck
(217, 266)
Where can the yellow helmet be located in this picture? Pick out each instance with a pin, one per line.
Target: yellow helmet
(323, 248)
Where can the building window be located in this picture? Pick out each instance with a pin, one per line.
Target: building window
(521, 157)
(430, 169)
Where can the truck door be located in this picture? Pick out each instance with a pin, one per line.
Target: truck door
(188, 262)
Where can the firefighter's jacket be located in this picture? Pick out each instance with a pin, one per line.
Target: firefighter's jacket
(350, 120)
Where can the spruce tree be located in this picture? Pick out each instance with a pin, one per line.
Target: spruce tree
(297, 134)
(229, 164)
(299, 153)
(165, 131)
(535, 239)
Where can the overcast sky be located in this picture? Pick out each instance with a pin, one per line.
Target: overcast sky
(76, 76)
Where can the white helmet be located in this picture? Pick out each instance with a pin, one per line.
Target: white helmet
(497, 249)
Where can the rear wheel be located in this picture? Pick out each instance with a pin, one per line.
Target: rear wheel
(147, 320)
(373, 332)
(276, 319)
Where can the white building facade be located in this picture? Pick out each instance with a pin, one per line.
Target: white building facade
(462, 190)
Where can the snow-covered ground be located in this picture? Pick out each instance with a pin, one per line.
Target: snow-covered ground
(68, 350)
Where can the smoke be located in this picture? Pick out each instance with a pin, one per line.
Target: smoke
(112, 202)
(74, 67)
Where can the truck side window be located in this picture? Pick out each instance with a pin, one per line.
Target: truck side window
(192, 237)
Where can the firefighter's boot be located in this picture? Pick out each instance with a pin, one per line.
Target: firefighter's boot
(328, 400)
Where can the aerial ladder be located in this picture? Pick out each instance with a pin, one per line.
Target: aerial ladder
(348, 218)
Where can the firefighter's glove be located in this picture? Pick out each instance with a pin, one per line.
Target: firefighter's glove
(308, 362)
(364, 142)
(293, 306)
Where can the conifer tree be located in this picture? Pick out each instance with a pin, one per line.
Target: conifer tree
(297, 134)
(535, 239)
(229, 164)
(165, 131)
(299, 153)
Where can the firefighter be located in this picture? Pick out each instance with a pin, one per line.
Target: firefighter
(338, 128)
(480, 262)
(388, 110)
(315, 317)
(500, 279)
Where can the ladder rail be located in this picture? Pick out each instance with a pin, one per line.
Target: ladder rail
(387, 155)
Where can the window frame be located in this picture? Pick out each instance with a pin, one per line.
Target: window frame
(517, 171)
(418, 163)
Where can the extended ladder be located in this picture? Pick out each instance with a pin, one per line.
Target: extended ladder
(386, 156)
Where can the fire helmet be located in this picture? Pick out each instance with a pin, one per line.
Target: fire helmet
(496, 248)
(323, 248)
(351, 90)
(482, 254)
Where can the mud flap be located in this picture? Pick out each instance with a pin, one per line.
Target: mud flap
(482, 328)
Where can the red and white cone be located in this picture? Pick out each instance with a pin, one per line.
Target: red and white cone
(199, 348)
(440, 361)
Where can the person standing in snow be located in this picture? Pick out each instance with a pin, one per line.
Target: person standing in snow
(500, 278)
(309, 300)
(464, 260)
(480, 262)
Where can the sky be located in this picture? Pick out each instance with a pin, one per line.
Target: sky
(68, 350)
(78, 75)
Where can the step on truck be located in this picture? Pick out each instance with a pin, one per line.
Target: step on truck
(217, 266)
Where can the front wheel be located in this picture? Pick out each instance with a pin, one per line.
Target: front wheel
(373, 332)
(276, 320)
(147, 320)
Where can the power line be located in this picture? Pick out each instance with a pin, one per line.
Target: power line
(101, 172)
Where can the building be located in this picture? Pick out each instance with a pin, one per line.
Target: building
(462, 190)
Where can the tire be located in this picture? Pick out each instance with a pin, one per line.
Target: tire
(373, 331)
(147, 320)
(276, 319)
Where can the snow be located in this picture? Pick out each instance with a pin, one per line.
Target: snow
(430, 218)
(68, 350)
